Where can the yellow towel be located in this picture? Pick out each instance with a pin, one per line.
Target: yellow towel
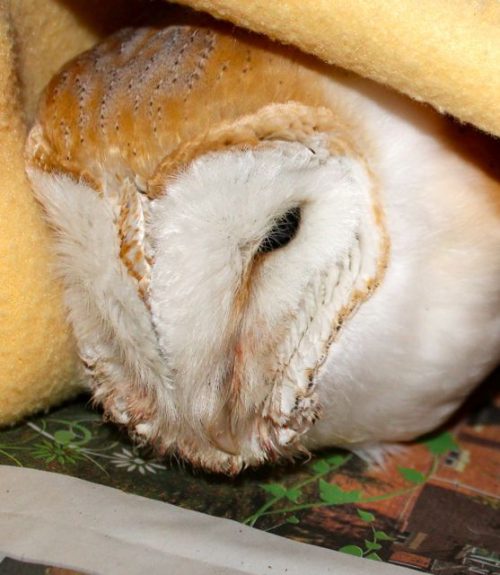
(445, 52)
(38, 364)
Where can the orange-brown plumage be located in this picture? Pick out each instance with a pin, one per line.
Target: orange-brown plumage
(125, 105)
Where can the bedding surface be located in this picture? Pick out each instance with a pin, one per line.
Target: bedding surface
(433, 506)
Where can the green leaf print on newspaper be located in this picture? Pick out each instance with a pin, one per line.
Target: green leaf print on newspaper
(69, 441)
(321, 490)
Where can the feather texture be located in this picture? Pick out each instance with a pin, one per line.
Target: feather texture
(168, 160)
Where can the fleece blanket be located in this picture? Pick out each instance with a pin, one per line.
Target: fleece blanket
(38, 364)
(446, 53)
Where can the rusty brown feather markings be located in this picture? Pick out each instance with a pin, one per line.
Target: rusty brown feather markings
(117, 110)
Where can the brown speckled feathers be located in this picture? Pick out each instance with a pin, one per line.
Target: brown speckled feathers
(123, 106)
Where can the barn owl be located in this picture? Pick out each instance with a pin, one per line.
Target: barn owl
(263, 255)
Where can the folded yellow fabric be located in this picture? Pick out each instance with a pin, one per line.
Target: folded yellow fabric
(38, 364)
(444, 52)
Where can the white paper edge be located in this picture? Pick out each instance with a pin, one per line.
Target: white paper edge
(59, 520)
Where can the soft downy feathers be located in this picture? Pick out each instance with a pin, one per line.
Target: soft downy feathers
(261, 254)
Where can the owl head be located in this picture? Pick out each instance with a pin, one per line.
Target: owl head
(265, 235)
(206, 298)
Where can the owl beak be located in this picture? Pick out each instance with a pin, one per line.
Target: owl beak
(220, 435)
(226, 442)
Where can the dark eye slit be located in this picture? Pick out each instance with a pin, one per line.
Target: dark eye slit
(284, 229)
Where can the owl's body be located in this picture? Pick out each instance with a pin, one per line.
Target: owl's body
(167, 158)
